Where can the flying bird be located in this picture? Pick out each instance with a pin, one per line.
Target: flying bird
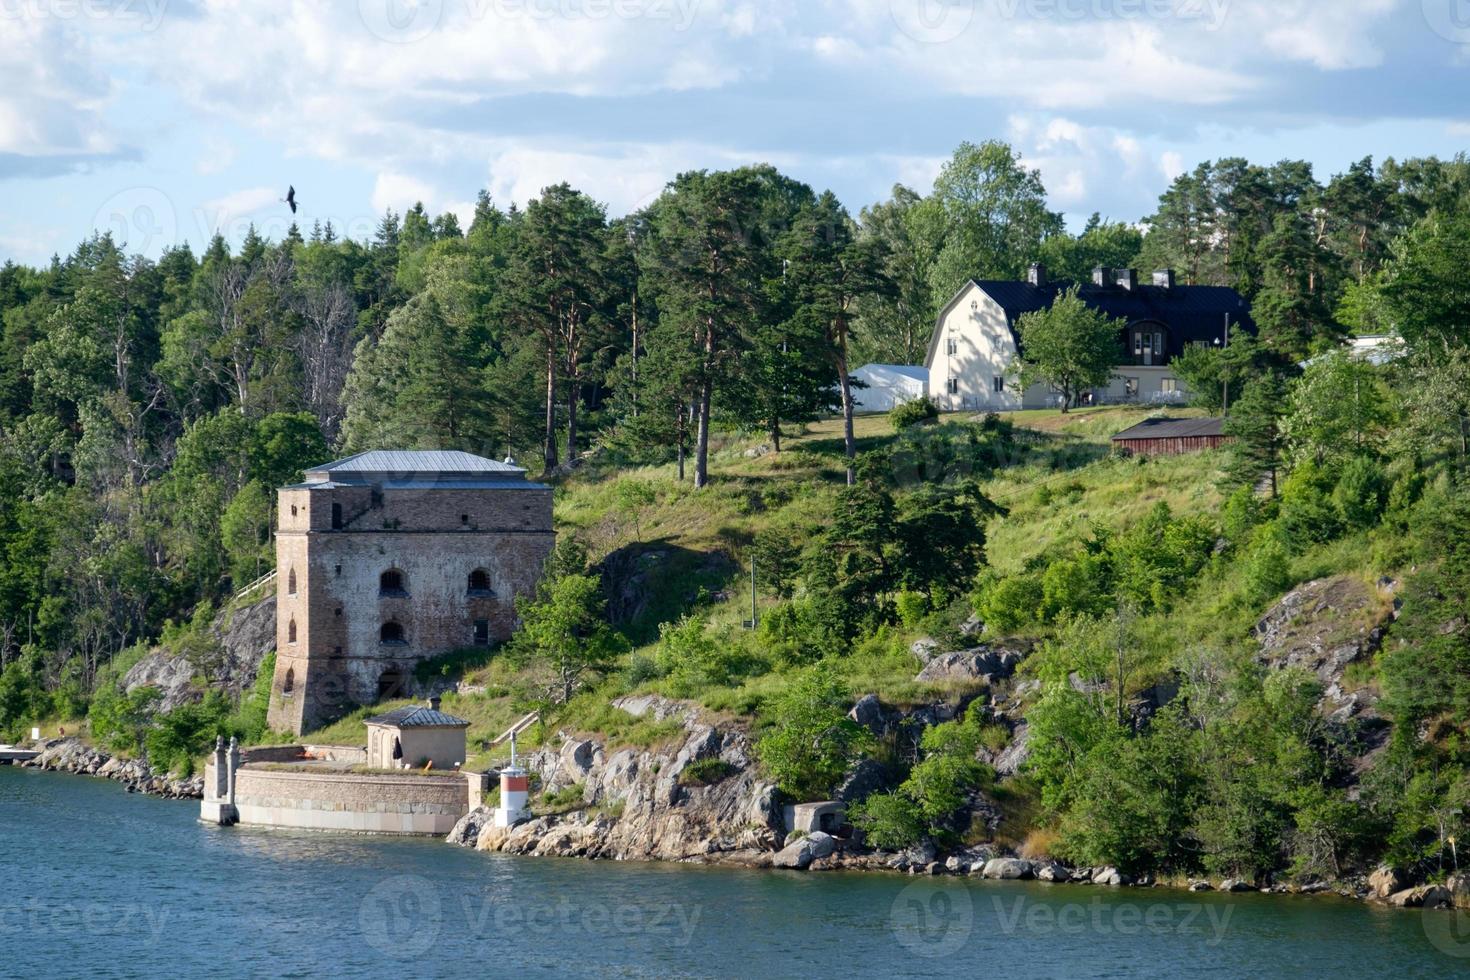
(290, 198)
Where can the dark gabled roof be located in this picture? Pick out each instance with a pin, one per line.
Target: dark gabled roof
(1164, 428)
(442, 468)
(1193, 314)
(417, 716)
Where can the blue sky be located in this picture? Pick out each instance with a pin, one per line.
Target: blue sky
(164, 120)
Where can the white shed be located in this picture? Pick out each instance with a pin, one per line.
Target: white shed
(888, 385)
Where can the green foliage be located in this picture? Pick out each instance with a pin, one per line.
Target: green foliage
(705, 772)
(937, 788)
(564, 632)
(918, 411)
(808, 741)
(1070, 346)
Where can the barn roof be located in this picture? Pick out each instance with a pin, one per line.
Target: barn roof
(1166, 428)
(417, 716)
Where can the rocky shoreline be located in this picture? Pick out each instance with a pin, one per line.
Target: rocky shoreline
(664, 805)
(71, 755)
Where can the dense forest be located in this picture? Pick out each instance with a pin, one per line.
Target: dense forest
(149, 407)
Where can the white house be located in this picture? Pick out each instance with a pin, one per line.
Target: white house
(974, 355)
(887, 385)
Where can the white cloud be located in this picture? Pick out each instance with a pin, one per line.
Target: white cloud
(401, 192)
(53, 100)
(232, 209)
(1171, 164)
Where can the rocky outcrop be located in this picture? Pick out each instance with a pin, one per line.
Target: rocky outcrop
(72, 755)
(1384, 881)
(986, 663)
(1323, 627)
(1423, 897)
(226, 658)
(636, 805)
(1007, 869)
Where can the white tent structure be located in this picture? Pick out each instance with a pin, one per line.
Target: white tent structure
(887, 385)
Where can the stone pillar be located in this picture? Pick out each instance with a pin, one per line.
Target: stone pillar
(234, 765)
(479, 785)
(219, 790)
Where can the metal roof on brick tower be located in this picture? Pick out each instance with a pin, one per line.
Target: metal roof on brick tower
(415, 467)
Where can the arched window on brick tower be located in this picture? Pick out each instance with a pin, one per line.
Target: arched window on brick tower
(392, 582)
(392, 632)
(479, 582)
(291, 631)
(290, 683)
(291, 582)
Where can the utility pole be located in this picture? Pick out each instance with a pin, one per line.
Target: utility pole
(1225, 378)
(754, 620)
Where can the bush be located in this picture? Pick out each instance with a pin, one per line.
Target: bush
(1010, 603)
(705, 772)
(809, 741)
(889, 821)
(1361, 492)
(920, 411)
(1268, 568)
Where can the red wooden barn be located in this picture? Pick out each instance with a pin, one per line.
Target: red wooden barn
(1170, 437)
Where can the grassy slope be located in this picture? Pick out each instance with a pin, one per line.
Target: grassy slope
(681, 548)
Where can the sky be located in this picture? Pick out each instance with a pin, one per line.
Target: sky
(164, 121)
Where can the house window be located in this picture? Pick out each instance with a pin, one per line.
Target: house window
(479, 582)
(1130, 387)
(464, 518)
(291, 631)
(999, 384)
(954, 346)
(392, 632)
(1169, 386)
(391, 582)
(293, 510)
(482, 632)
(953, 385)
(290, 683)
(336, 517)
(291, 582)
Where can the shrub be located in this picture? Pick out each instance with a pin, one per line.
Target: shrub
(1268, 568)
(1010, 603)
(809, 741)
(1361, 492)
(889, 821)
(920, 411)
(705, 772)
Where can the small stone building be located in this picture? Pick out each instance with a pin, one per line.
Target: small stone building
(414, 736)
(387, 558)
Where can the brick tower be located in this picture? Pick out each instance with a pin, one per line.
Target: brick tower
(387, 558)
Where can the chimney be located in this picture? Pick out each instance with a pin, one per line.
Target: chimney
(1128, 279)
(1102, 276)
(434, 703)
(1036, 275)
(1164, 278)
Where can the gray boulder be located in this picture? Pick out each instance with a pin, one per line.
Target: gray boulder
(1110, 876)
(1008, 869)
(1051, 871)
(1236, 885)
(1384, 882)
(467, 832)
(801, 853)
